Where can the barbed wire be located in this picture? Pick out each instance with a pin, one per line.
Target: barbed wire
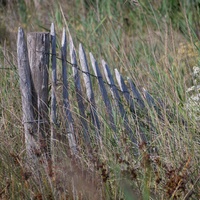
(105, 82)
(13, 67)
(88, 73)
(7, 68)
(79, 69)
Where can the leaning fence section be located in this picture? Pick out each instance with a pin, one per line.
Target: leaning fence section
(40, 126)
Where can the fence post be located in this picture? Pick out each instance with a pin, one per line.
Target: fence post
(54, 76)
(136, 94)
(103, 92)
(116, 96)
(125, 91)
(89, 91)
(79, 94)
(149, 98)
(38, 52)
(30, 126)
(127, 96)
(53, 89)
(70, 127)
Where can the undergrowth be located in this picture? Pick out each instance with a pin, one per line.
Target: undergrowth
(156, 44)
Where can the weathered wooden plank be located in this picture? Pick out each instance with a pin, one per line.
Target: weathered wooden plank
(103, 91)
(29, 122)
(113, 88)
(125, 91)
(149, 98)
(151, 102)
(79, 95)
(54, 75)
(38, 52)
(53, 88)
(140, 102)
(89, 91)
(136, 94)
(116, 96)
(67, 111)
(128, 98)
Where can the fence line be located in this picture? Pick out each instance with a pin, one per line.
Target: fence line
(75, 65)
(123, 88)
(132, 96)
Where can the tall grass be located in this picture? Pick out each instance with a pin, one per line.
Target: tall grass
(141, 40)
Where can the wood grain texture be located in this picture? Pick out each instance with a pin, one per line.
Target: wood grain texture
(103, 91)
(30, 125)
(89, 91)
(78, 90)
(67, 111)
(38, 52)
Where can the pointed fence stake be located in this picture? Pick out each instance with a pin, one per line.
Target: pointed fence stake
(136, 94)
(54, 75)
(79, 95)
(149, 98)
(125, 91)
(67, 111)
(103, 91)
(29, 122)
(128, 98)
(116, 96)
(89, 91)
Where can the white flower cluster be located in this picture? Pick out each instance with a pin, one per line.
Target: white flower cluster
(193, 102)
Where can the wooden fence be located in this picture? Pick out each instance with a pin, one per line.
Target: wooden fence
(33, 66)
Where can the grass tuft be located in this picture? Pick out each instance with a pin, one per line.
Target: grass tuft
(155, 43)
